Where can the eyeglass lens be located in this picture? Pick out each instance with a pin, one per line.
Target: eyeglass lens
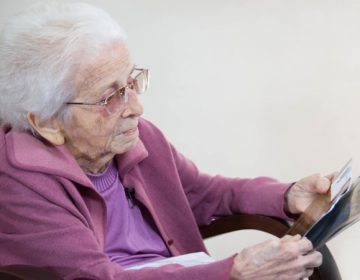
(139, 84)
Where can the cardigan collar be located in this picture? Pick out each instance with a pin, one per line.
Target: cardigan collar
(29, 153)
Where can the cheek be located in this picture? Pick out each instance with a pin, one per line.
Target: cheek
(103, 113)
(102, 126)
(83, 129)
(100, 135)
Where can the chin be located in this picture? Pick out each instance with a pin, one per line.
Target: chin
(124, 147)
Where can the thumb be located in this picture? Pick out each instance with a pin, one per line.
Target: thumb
(317, 183)
(322, 184)
(332, 176)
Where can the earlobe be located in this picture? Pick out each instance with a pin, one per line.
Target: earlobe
(49, 130)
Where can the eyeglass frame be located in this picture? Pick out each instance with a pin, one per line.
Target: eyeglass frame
(123, 91)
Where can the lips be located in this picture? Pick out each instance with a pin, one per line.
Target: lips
(128, 132)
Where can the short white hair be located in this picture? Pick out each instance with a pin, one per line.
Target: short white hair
(40, 50)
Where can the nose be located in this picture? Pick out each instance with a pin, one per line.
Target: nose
(133, 108)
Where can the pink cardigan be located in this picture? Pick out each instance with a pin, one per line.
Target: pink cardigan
(51, 215)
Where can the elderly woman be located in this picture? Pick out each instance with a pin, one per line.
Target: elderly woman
(89, 188)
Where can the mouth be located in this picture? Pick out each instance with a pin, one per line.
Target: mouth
(128, 132)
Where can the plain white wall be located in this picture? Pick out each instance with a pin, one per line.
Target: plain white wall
(251, 87)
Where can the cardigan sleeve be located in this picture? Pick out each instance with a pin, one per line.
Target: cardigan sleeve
(211, 196)
(217, 195)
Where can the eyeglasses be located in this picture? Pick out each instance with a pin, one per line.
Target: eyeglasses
(115, 101)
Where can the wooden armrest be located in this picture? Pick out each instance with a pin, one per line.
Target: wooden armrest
(26, 272)
(327, 271)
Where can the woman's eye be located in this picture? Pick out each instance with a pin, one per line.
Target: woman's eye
(103, 102)
(108, 95)
(109, 98)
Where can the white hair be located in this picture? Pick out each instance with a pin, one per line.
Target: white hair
(40, 51)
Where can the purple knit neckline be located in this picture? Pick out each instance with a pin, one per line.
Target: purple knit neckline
(106, 179)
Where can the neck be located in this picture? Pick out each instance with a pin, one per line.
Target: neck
(91, 162)
(92, 166)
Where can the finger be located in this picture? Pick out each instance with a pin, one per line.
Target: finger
(287, 238)
(332, 176)
(308, 272)
(313, 259)
(315, 183)
(322, 184)
(305, 246)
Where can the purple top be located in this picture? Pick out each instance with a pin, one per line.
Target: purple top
(131, 235)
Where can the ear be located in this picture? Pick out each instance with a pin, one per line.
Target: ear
(50, 129)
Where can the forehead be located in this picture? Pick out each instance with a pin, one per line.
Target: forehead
(112, 65)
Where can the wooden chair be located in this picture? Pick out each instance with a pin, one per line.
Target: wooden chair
(26, 272)
(327, 271)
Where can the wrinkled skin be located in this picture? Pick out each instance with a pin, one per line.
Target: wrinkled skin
(304, 191)
(291, 257)
(92, 135)
(288, 258)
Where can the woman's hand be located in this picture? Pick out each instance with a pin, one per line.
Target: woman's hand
(304, 191)
(288, 258)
